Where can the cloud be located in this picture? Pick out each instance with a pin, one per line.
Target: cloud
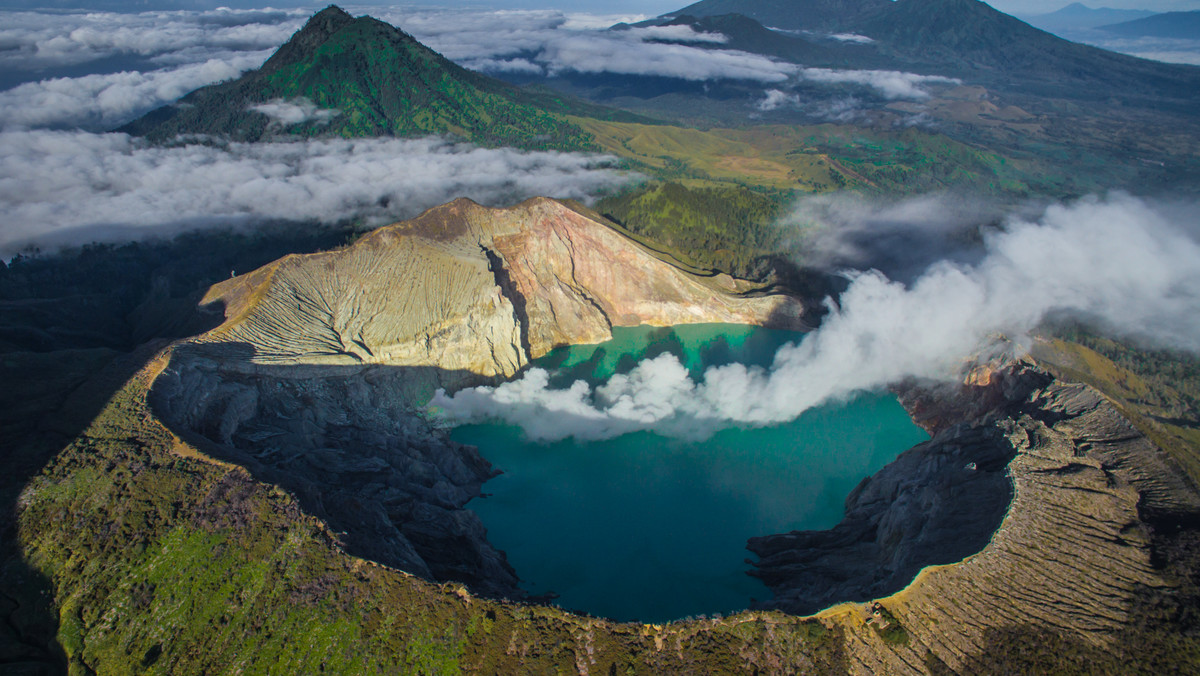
(843, 109)
(522, 41)
(35, 41)
(851, 37)
(603, 54)
(513, 41)
(891, 84)
(68, 188)
(175, 52)
(1119, 261)
(775, 99)
(676, 33)
(524, 66)
(901, 238)
(105, 101)
(1168, 50)
(295, 111)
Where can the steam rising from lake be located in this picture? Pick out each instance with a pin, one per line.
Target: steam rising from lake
(1130, 265)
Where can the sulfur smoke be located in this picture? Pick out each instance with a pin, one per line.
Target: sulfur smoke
(1119, 261)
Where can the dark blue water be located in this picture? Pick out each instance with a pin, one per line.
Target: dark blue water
(643, 527)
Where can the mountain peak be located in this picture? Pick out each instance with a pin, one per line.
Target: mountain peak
(368, 78)
(319, 28)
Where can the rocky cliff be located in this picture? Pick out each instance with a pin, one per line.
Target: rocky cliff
(315, 379)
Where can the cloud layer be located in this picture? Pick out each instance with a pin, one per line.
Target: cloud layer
(141, 61)
(63, 188)
(1118, 261)
(551, 42)
(36, 41)
(100, 102)
(97, 70)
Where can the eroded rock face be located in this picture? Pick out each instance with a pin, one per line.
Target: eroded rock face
(316, 379)
(467, 289)
(1069, 556)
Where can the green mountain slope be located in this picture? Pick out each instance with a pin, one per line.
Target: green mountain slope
(381, 81)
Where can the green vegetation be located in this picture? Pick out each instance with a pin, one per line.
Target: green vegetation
(728, 228)
(822, 158)
(383, 82)
(914, 161)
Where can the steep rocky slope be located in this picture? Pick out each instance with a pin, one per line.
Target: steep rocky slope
(1073, 557)
(316, 378)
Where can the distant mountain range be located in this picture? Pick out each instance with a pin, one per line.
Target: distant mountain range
(346, 76)
(807, 15)
(1182, 25)
(1028, 92)
(963, 38)
(1078, 16)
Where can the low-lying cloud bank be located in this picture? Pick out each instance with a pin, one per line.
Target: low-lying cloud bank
(891, 84)
(98, 70)
(37, 41)
(104, 101)
(1120, 261)
(550, 42)
(68, 188)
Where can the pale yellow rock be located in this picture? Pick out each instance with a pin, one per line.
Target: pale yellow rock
(471, 290)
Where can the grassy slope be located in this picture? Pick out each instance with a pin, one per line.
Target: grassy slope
(720, 227)
(163, 562)
(818, 158)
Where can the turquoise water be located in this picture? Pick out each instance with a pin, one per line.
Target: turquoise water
(643, 527)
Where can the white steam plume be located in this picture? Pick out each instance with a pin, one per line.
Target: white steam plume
(1115, 260)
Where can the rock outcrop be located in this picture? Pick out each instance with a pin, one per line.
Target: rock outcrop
(316, 378)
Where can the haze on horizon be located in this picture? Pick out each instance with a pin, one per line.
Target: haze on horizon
(647, 7)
